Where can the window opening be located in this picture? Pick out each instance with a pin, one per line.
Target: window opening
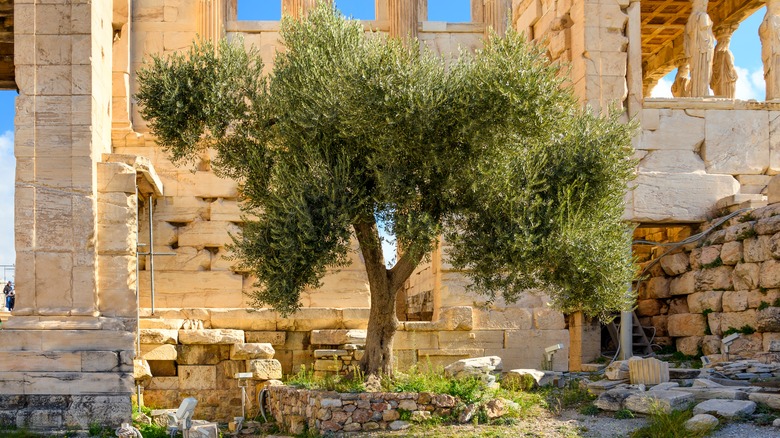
(450, 11)
(357, 9)
(262, 10)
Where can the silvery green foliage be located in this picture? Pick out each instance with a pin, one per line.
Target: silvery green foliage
(489, 150)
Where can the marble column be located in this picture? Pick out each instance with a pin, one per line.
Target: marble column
(496, 16)
(403, 18)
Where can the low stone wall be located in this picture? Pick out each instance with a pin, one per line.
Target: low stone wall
(730, 280)
(296, 410)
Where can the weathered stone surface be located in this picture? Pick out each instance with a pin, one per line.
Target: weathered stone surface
(676, 131)
(710, 300)
(617, 370)
(662, 197)
(757, 249)
(684, 284)
(687, 324)
(213, 336)
(689, 345)
(548, 319)
(244, 319)
(509, 318)
(737, 142)
(649, 307)
(710, 393)
(735, 301)
(678, 305)
(770, 399)
(649, 371)
(768, 320)
(158, 352)
(338, 337)
(738, 319)
(197, 377)
(658, 287)
(701, 423)
(731, 253)
(159, 336)
(527, 378)
(473, 366)
(665, 401)
(613, 399)
(251, 351)
(714, 279)
(141, 372)
(675, 264)
(267, 337)
(710, 254)
(200, 354)
(265, 369)
(725, 408)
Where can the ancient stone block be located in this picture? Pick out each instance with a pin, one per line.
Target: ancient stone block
(548, 319)
(731, 253)
(199, 354)
(671, 162)
(244, 319)
(684, 284)
(197, 377)
(649, 307)
(710, 345)
(746, 276)
(264, 369)
(650, 371)
(251, 351)
(689, 345)
(687, 324)
(475, 339)
(738, 320)
(675, 264)
(200, 234)
(672, 125)
(710, 300)
(757, 249)
(769, 274)
(768, 320)
(683, 196)
(273, 338)
(510, 318)
(709, 254)
(306, 319)
(415, 340)
(216, 336)
(181, 209)
(226, 210)
(737, 142)
(725, 408)
(658, 287)
(678, 305)
(735, 301)
(714, 279)
(338, 337)
(647, 402)
(158, 352)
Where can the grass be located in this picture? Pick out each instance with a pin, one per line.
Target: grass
(667, 425)
(306, 379)
(745, 330)
(763, 305)
(11, 431)
(624, 414)
(713, 264)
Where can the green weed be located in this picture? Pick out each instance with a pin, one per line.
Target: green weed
(667, 425)
(624, 414)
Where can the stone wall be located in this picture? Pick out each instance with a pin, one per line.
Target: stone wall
(728, 280)
(298, 410)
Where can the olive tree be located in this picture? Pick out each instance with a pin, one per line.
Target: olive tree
(350, 130)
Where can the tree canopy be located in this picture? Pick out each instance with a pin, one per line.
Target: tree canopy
(350, 128)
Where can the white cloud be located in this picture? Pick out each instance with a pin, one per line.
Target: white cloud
(7, 178)
(662, 89)
(750, 84)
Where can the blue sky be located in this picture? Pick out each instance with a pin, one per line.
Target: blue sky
(744, 44)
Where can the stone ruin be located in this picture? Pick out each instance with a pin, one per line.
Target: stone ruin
(102, 213)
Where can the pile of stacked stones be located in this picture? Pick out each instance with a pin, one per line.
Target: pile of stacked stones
(343, 350)
(745, 369)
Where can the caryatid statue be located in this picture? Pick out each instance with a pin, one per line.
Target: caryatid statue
(681, 87)
(699, 48)
(769, 33)
(724, 75)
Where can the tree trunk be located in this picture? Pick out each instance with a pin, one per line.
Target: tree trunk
(383, 285)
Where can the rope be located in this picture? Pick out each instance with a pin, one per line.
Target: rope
(128, 431)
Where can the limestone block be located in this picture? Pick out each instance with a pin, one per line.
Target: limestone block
(251, 351)
(757, 249)
(649, 307)
(214, 336)
(613, 399)
(226, 210)
(163, 383)
(771, 400)
(713, 320)
(141, 372)
(650, 371)
(221, 262)
(769, 274)
(525, 348)
(193, 289)
(745, 276)
(731, 253)
(511, 318)
(306, 319)
(678, 197)
(244, 319)
(159, 336)
(40, 361)
(658, 287)
(684, 284)
(701, 423)
(187, 258)
(165, 235)
(355, 318)
(675, 264)
(736, 232)
(768, 225)
(338, 337)
(737, 142)
(414, 340)
(671, 161)
(194, 377)
(768, 320)
(756, 296)
(725, 408)
(774, 245)
(676, 131)
(709, 300)
(710, 344)
(116, 283)
(203, 184)
(687, 324)
(475, 339)
(738, 319)
(714, 279)
(270, 337)
(456, 318)
(695, 259)
(735, 301)
(689, 345)
(709, 254)
(181, 209)
(771, 341)
(548, 319)
(202, 234)
(201, 354)
(347, 287)
(666, 401)
(264, 369)
(158, 352)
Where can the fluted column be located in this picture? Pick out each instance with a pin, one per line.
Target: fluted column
(211, 20)
(298, 8)
(496, 13)
(403, 18)
(769, 32)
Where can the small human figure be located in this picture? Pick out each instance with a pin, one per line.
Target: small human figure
(10, 296)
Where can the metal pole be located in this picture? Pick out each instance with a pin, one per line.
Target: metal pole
(151, 250)
(137, 303)
(626, 334)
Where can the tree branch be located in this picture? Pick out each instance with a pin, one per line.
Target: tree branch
(404, 268)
